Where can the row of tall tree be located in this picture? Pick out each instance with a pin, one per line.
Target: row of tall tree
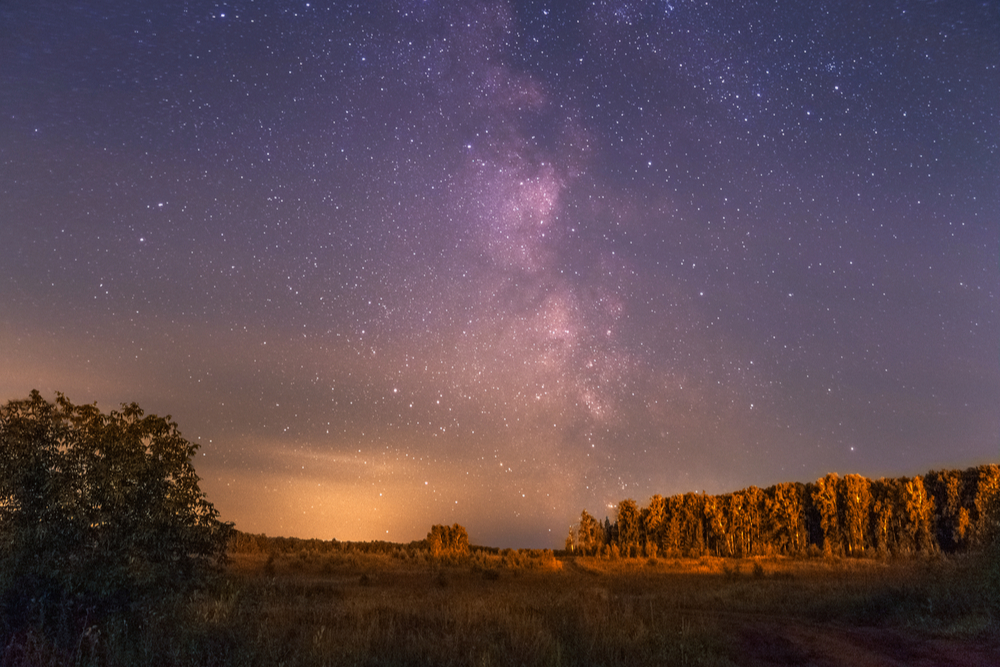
(949, 511)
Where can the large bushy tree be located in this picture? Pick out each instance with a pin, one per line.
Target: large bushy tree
(99, 512)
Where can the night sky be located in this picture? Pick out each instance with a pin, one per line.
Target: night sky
(401, 263)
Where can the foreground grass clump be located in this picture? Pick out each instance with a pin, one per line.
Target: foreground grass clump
(490, 607)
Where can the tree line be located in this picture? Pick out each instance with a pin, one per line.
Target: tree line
(441, 540)
(948, 511)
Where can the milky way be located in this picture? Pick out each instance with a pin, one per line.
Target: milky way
(401, 263)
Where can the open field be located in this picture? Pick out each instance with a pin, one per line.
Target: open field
(117, 558)
(407, 608)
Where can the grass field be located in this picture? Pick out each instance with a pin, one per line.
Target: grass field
(406, 608)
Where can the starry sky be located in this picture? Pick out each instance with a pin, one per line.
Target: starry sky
(402, 262)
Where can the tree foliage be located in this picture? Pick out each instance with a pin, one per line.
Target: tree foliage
(629, 528)
(98, 512)
(589, 534)
(854, 515)
(448, 540)
(949, 511)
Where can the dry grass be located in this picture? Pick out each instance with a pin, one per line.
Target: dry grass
(406, 608)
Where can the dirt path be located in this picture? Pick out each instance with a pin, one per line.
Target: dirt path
(771, 643)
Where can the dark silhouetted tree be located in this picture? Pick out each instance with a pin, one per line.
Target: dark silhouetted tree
(99, 512)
